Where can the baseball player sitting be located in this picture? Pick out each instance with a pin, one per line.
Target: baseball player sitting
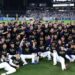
(6, 66)
(44, 51)
(27, 52)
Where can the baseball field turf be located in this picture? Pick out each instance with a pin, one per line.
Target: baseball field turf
(44, 68)
(53, 21)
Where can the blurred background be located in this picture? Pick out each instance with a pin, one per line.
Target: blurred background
(55, 9)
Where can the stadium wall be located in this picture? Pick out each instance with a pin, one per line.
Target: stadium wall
(28, 18)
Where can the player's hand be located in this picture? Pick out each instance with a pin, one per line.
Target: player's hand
(39, 53)
(17, 66)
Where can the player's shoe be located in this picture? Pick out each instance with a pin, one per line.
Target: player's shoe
(25, 64)
(3, 74)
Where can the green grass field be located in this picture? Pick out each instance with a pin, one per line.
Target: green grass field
(64, 21)
(45, 68)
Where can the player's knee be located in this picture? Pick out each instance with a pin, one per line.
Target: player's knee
(13, 70)
(49, 52)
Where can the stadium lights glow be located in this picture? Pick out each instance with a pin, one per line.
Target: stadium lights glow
(62, 10)
(62, 5)
(62, 0)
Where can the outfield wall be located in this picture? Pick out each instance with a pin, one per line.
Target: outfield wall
(48, 19)
(28, 18)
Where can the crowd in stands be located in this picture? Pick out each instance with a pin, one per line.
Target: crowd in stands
(48, 13)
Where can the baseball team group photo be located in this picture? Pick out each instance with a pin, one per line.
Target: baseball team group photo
(37, 37)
